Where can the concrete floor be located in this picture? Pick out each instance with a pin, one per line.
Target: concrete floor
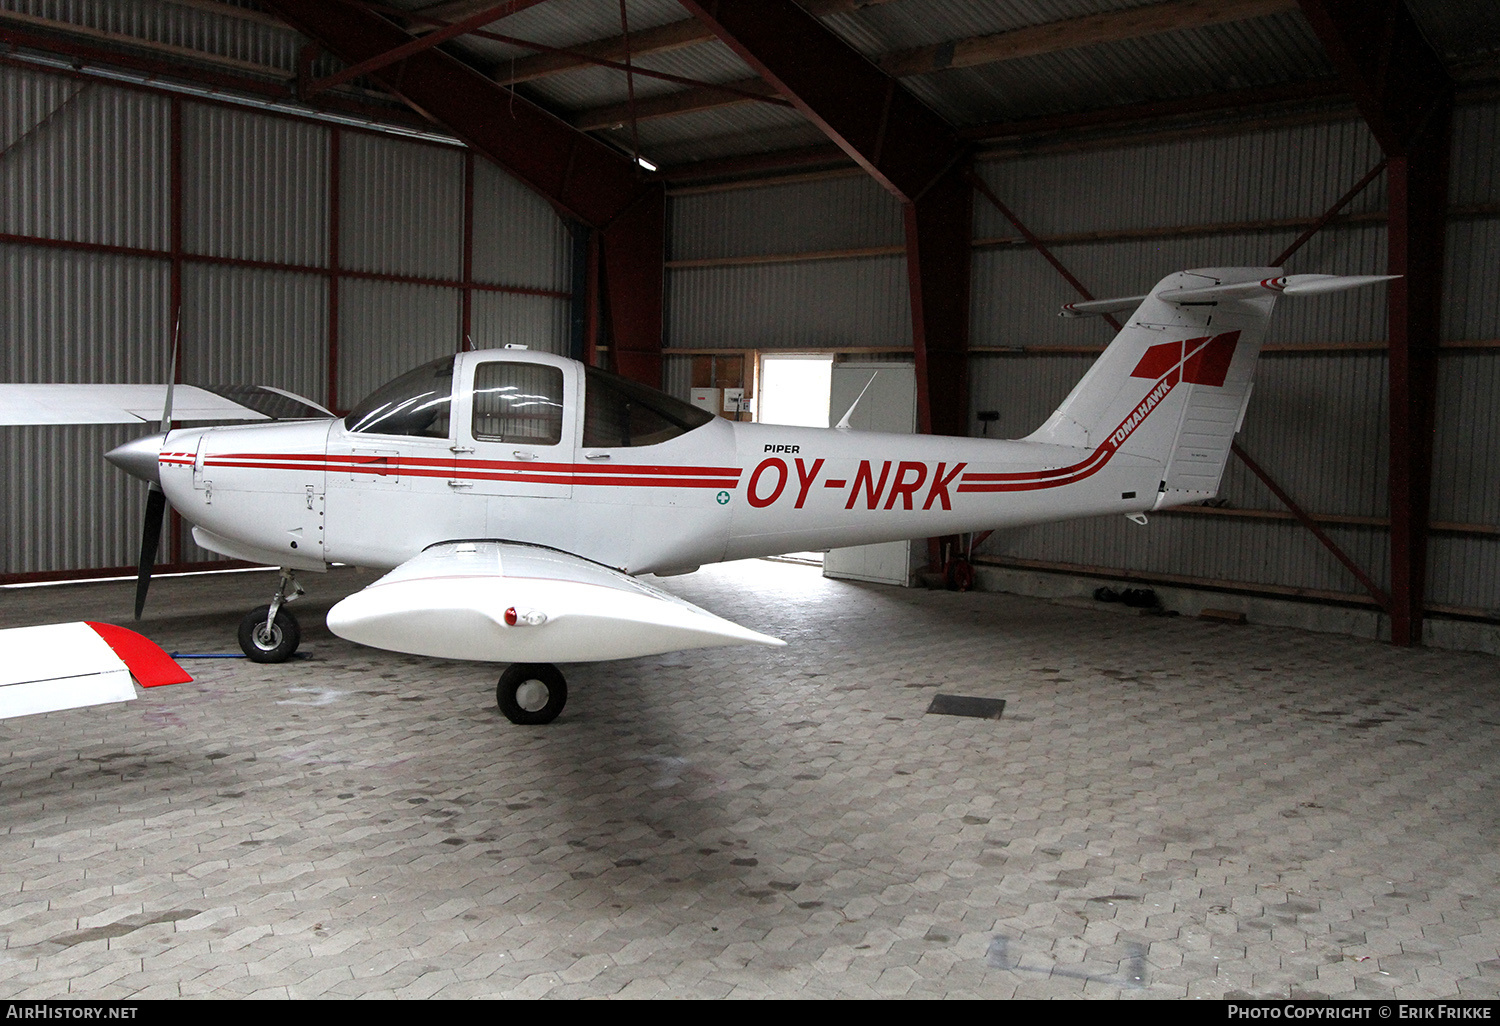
(1168, 808)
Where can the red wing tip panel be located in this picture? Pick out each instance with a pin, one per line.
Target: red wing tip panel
(59, 666)
(148, 663)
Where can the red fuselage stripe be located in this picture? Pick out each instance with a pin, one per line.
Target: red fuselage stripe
(373, 469)
(1096, 460)
(449, 463)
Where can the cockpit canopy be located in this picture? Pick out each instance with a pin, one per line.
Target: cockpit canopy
(417, 403)
(619, 412)
(524, 402)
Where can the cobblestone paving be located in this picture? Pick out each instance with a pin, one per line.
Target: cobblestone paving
(1167, 808)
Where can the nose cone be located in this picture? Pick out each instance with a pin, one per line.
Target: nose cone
(138, 458)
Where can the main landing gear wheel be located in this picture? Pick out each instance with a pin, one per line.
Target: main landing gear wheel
(531, 693)
(269, 645)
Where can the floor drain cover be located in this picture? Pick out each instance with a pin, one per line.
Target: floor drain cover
(963, 705)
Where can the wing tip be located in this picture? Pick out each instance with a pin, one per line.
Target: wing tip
(148, 663)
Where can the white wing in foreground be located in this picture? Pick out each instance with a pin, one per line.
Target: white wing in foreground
(69, 665)
(506, 603)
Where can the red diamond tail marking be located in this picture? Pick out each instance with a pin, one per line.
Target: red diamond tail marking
(1204, 361)
(1209, 364)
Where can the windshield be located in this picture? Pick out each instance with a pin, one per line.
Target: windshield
(619, 412)
(417, 403)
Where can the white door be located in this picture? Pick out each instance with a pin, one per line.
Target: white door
(889, 404)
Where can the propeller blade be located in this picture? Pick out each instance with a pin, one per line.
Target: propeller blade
(156, 506)
(156, 499)
(166, 413)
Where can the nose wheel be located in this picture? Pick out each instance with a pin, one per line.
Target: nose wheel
(531, 693)
(271, 634)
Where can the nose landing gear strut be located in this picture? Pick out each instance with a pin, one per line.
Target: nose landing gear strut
(271, 634)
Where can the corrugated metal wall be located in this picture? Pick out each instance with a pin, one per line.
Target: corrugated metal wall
(1465, 571)
(847, 301)
(518, 238)
(403, 208)
(1318, 421)
(83, 161)
(239, 167)
(90, 162)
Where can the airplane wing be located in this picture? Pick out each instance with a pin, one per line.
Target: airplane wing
(142, 404)
(70, 665)
(507, 602)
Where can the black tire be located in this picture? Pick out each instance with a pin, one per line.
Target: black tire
(278, 647)
(531, 693)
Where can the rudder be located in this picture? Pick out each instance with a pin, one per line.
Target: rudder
(1174, 384)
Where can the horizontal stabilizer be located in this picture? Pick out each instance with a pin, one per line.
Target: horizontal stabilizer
(143, 404)
(71, 665)
(1287, 285)
(1100, 306)
(506, 602)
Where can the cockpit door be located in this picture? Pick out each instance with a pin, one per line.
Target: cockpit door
(517, 421)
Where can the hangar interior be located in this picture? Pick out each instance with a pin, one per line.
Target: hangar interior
(319, 194)
(214, 173)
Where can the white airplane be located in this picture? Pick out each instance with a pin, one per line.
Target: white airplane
(517, 496)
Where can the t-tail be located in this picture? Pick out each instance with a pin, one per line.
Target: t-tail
(1174, 384)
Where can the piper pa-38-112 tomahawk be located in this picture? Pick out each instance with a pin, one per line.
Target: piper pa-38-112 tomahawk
(516, 496)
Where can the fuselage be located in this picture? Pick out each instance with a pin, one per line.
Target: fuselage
(308, 493)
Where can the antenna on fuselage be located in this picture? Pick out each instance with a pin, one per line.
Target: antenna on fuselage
(843, 424)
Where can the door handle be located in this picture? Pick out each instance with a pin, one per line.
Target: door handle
(522, 454)
(596, 455)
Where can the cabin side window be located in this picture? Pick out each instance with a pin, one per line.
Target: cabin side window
(417, 404)
(618, 412)
(518, 402)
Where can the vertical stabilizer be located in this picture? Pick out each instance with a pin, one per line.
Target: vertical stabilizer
(1173, 385)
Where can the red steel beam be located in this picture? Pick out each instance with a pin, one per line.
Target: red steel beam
(1405, 95)
(900, 142)
(1376, 592)
(416, 46)
(581, 57)
(591, 304)
(1417, 185)
(1398, 83)
(884, 128)
(245, 84)
(576, 173)
(938, 255)
(1328, 215)
(632, 247)
(1037, 244)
